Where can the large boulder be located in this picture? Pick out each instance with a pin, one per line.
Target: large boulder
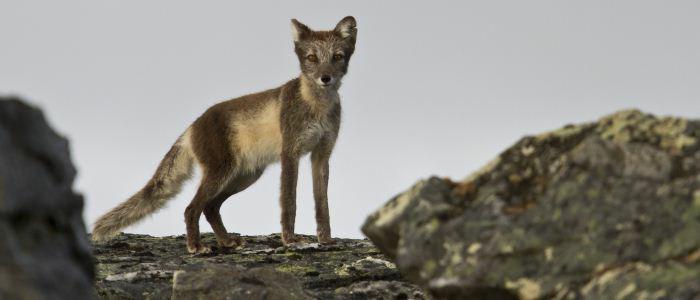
(44, 251)
(602, 210)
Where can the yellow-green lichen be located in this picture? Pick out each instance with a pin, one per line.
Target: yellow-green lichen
(696, 199)
(564, 132)
(548, 254)
(294, 269)
(483, 170)
(428, 269)
(633, 125)
(626, 291)
(474, 248)
(525, 288)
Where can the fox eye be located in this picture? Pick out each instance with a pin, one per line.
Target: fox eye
(338, 56)
(312, 58)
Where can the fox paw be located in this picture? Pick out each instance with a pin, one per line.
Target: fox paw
(290, 239)
(325, 239)
(198, 249)
(235, 242)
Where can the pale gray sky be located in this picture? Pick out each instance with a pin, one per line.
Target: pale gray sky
(435, 87)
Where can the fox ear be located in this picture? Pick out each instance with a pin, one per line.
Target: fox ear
(299, 30)
(347, 27)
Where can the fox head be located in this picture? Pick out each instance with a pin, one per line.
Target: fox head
(324, 55)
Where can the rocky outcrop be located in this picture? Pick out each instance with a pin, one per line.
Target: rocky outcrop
(44, 251)
(139, 266)
(603, 210)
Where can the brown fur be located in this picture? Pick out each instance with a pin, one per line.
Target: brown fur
(234, 141)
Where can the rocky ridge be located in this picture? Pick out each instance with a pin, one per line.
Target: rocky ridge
(144, 267)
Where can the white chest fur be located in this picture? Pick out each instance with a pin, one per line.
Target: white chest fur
(313, 133)
(319, 126)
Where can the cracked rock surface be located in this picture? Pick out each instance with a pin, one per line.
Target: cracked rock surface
(602, 210)
(143, 267)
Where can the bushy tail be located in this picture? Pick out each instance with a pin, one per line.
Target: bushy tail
(173, 171)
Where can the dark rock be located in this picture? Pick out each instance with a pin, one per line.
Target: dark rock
(260, 270)
(603, 210)
(221, 281)
(381, 289)
(44, 251)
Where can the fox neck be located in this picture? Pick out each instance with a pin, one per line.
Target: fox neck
(315, 95)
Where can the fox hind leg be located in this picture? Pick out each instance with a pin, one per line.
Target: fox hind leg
(207, 192)
(211, 209)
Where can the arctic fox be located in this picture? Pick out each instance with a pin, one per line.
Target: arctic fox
(234, 141)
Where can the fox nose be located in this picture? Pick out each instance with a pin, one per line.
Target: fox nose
(325, 78)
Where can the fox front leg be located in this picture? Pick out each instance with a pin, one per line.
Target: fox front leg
(319, 166)
(290, 172)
